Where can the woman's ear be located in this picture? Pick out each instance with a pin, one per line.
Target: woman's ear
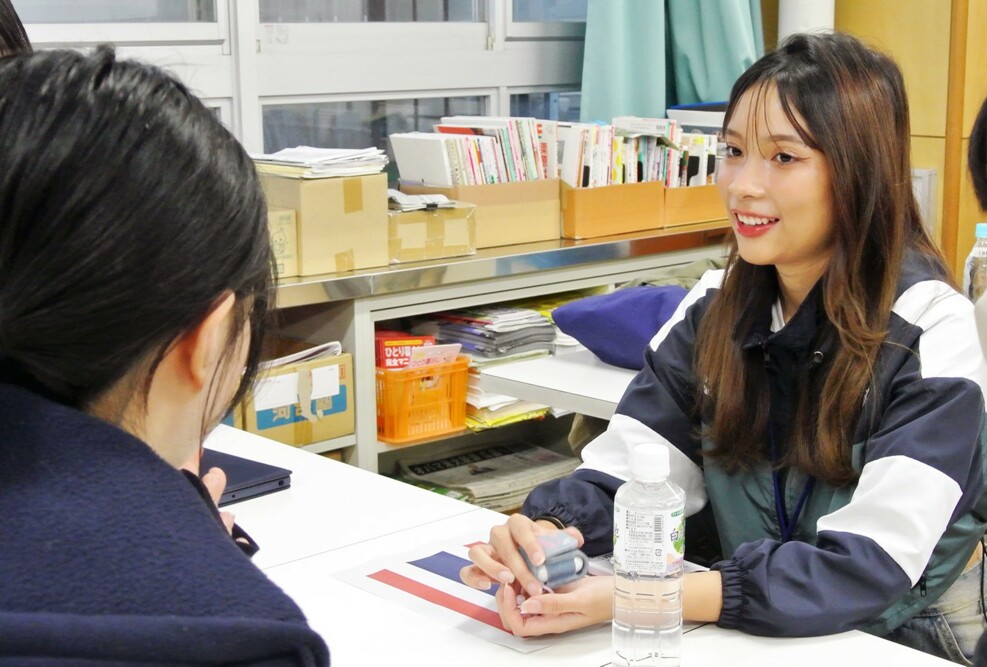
(195, 355)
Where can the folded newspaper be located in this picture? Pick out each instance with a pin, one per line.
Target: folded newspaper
(497, 477)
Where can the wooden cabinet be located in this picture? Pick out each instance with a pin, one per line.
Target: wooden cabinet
(942, 50)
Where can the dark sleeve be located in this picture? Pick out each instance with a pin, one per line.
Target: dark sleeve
(584, 499)
(656, 407)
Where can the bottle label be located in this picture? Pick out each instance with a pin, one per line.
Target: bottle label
(648, 543)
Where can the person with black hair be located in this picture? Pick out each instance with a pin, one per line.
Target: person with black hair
(135, 273)
(13, 37)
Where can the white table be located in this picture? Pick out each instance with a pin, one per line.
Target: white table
(329, 504)
(576, 381)
(335, 517)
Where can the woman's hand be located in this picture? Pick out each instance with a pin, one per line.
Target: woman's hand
(500, 560)
(215, 481)
(585, 602)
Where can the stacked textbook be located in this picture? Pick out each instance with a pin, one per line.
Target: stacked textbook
(498, 477)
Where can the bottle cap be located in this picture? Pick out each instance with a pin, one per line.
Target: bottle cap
(981, 231)
(649, 462)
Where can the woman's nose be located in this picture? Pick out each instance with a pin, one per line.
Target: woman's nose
(748, 179)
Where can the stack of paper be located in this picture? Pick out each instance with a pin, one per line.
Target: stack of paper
(491, 332)
(400, 201)
(329, 349)
(498, 477)
(311, 162)
(485, 410)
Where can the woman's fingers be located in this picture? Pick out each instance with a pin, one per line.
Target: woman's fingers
(486, 568)
(585, 602)
(215, 481)
(519, 531)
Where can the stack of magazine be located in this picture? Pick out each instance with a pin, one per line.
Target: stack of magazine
(492, 333)
(497, 477)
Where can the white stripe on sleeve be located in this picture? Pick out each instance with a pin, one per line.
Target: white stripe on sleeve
(949, 346)
(903, 505)
(610, 453)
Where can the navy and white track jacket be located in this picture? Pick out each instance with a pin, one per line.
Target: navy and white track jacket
(869, 555)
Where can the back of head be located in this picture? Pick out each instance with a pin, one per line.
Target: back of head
(13, 37)
(126, 211)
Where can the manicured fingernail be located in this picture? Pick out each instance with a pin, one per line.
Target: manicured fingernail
(537, 557)
(534, 588)
(505, 576)
(484, 584)
(531, 607)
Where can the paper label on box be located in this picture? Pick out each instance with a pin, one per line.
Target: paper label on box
(325, 381)
(291, 414)
(457, 232)
(281, 390)
(276, 391)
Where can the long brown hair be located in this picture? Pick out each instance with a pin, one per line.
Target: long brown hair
(848, 102)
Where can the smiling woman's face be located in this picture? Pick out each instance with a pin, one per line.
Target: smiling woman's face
(777, 189)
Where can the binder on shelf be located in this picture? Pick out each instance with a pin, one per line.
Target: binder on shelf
(423, 157)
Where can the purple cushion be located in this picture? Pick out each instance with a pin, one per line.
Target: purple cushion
(618, 326)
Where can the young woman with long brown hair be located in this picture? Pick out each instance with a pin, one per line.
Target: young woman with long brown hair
(823, 395)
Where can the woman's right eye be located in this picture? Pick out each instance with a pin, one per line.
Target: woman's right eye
(731, 151)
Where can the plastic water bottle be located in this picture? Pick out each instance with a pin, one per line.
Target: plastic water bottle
(975, 269)
(649, 545)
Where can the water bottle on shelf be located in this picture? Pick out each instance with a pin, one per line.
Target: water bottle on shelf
(648, 555)
(975, 268)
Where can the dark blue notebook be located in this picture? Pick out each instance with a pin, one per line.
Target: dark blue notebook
(245, 478)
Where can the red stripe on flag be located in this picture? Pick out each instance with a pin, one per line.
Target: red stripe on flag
(438, 597)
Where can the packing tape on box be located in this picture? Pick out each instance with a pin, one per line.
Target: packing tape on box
(412, 234)
(305, 394)
(435, 236)
(345, 261)
(352, 195)
(458, 233)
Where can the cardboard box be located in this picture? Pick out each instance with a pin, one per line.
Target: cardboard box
(506, 213)
(687, 206)
(342, 222)
(413, 236)
(284, 240)
(611, 209)
(235, 417)
(301, 403)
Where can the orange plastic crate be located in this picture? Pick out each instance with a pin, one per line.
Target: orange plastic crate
(416, 403)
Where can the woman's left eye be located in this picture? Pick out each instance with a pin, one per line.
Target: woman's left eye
(786, 158)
